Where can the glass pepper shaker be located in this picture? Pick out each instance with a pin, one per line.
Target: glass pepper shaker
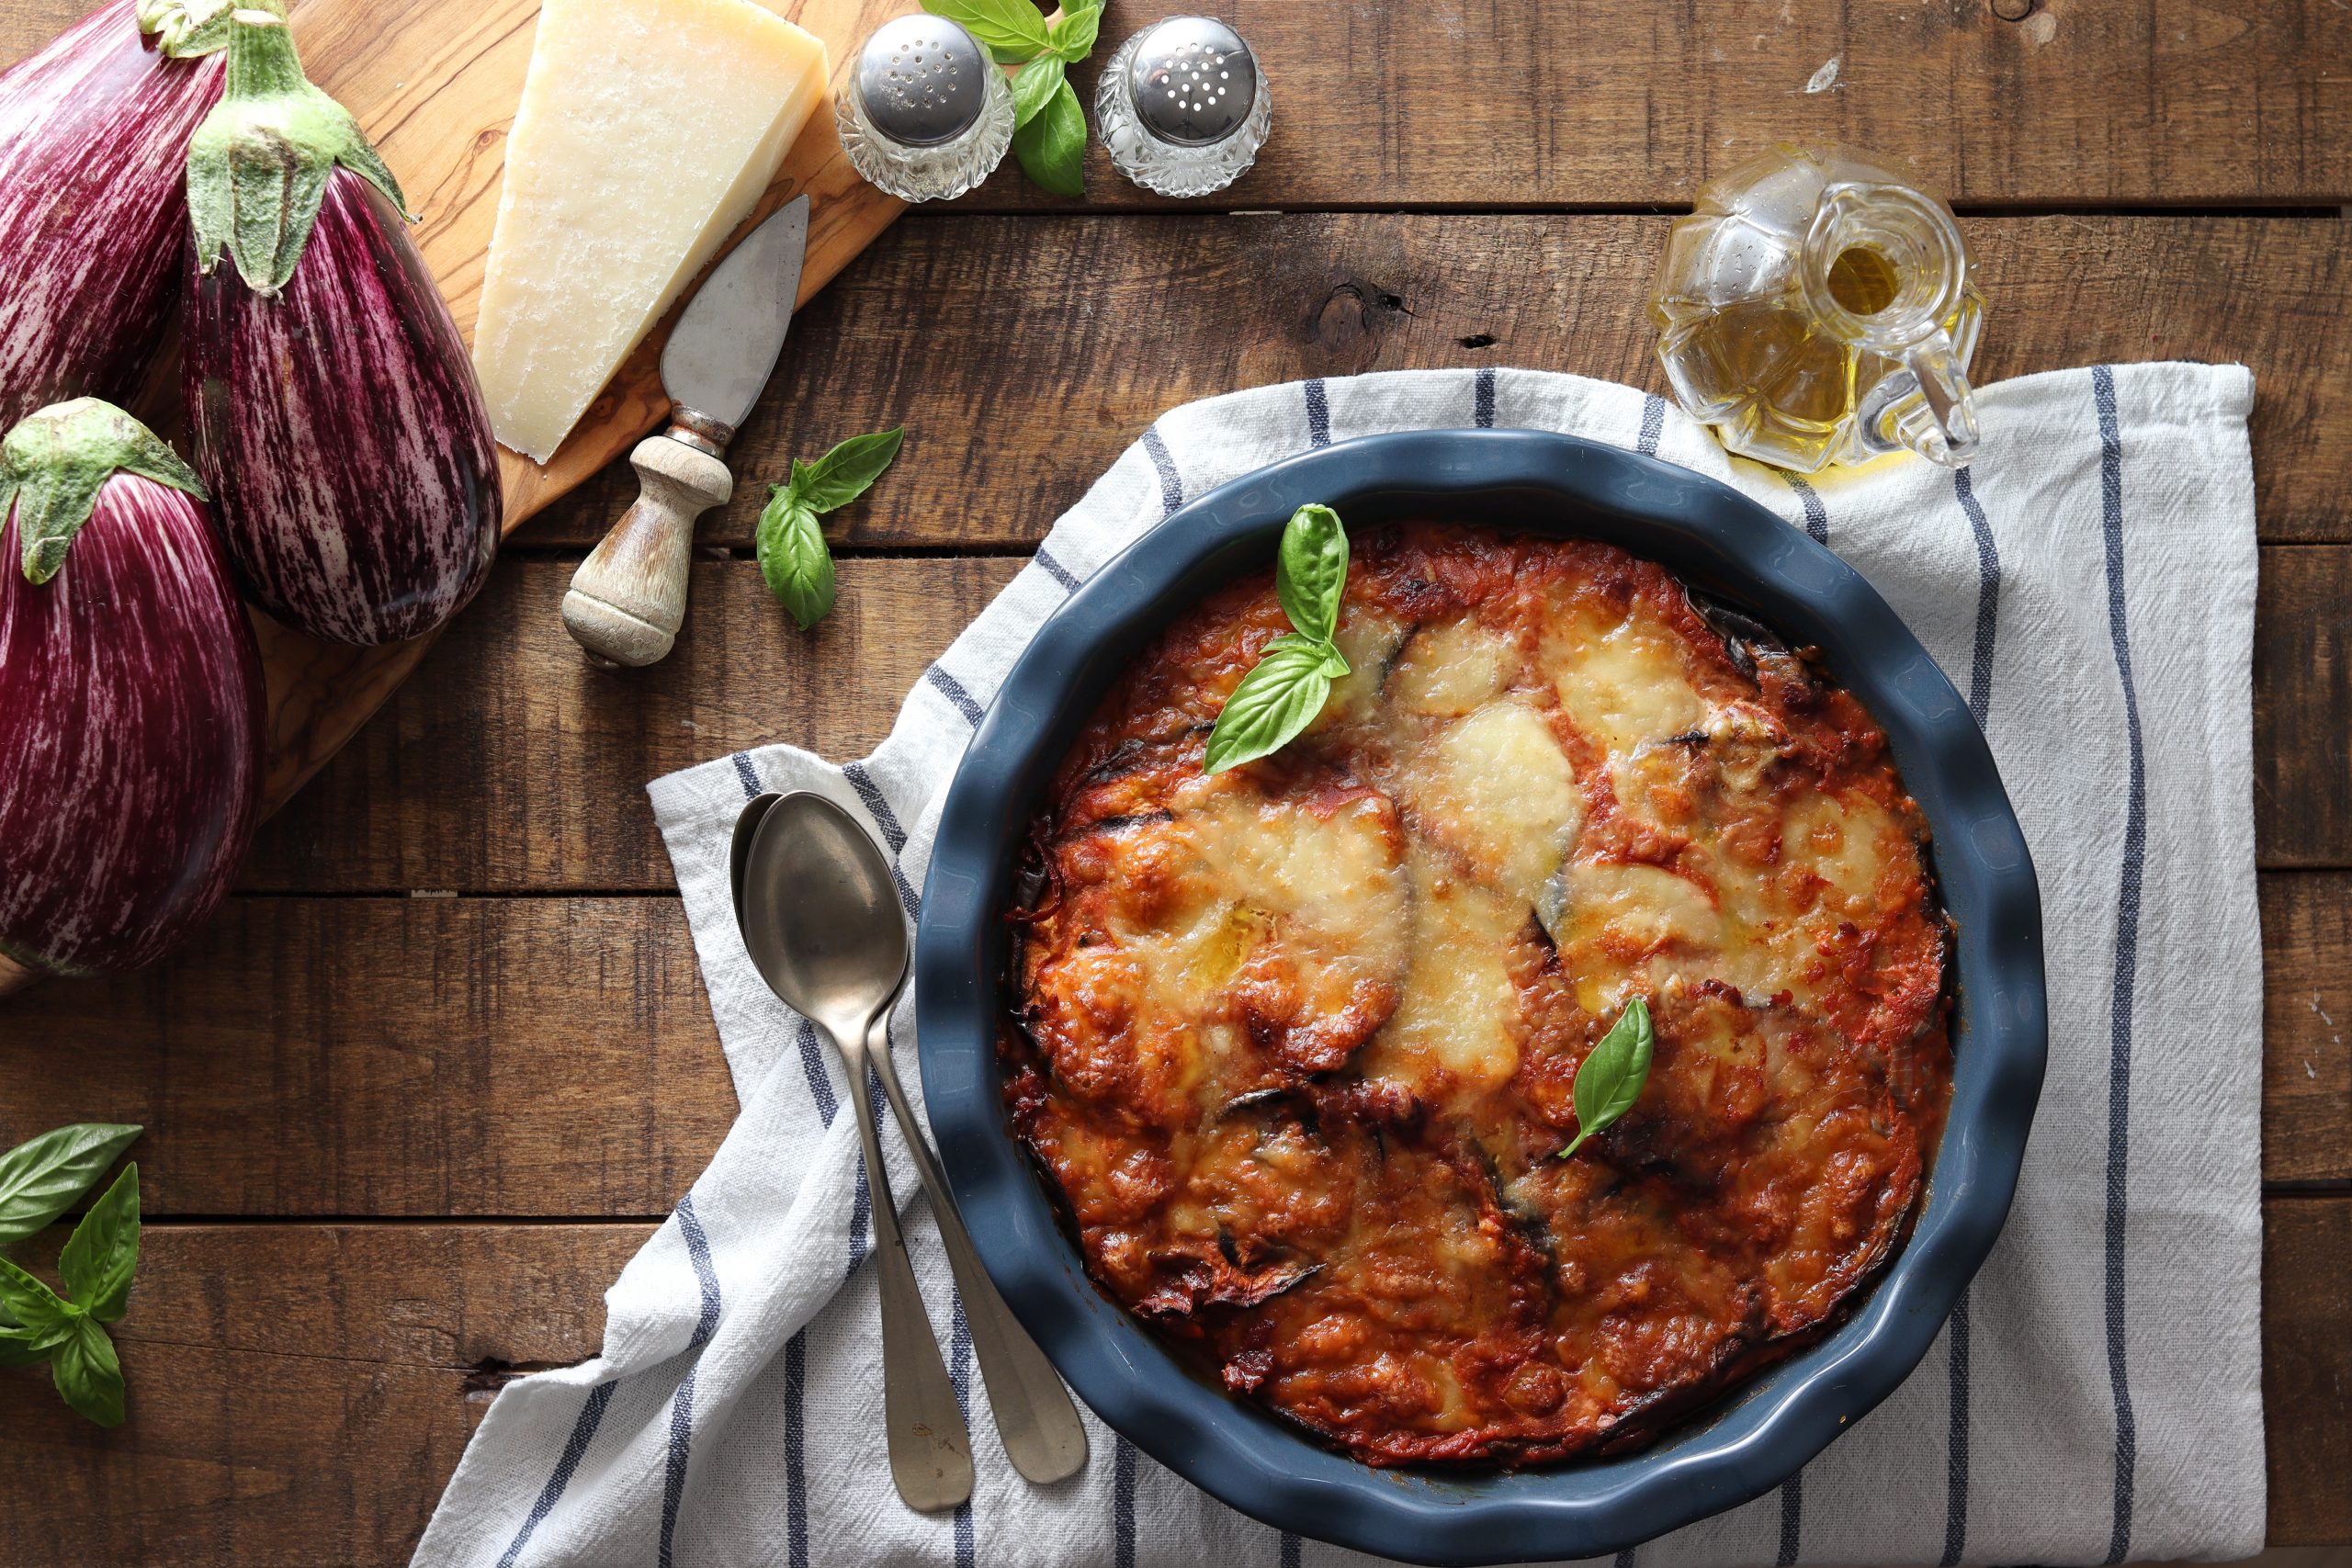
(1183, 106)
(928, 115)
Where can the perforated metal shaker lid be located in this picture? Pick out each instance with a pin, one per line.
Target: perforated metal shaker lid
(918, 79)
(1193, 79)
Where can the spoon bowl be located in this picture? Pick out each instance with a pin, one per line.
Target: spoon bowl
(739, 847)
(818, 915)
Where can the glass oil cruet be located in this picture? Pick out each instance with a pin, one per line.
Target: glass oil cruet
(1816, 307)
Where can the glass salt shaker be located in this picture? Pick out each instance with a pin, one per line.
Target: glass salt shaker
(928, 115)
(1183, 106)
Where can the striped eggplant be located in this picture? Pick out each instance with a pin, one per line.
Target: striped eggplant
(131, 709)
(94, 134)
(333, 406)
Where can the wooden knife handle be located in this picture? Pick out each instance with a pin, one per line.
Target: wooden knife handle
(628, 597)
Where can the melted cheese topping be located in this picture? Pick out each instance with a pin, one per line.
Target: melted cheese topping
(1299, 1042)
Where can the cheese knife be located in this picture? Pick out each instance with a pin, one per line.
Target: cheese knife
(628, 597)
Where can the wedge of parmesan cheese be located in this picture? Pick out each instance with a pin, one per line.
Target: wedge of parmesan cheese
(647, 130)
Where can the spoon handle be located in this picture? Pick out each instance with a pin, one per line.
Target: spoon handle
(1042, 1433)
(931, 1452)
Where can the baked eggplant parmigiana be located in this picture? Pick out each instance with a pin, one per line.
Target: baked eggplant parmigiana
(1295, 1042)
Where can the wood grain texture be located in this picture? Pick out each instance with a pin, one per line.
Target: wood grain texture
(530, 1057)
(510, 765)
(2306, 1020)
(298, 1393)
(1024, 354)
(554, 1057)
(1461, 103)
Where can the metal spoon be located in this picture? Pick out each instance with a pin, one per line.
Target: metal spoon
(826, 936)
(1042, 1433)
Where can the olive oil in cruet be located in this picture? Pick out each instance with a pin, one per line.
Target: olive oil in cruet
(1817, 308)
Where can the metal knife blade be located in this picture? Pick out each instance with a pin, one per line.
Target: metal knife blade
(728, 339)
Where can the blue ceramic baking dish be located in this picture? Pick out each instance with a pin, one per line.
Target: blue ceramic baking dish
(1759, 1434)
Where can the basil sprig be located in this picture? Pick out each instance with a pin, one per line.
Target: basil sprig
(40, 1179)
(1288, 685)
(793, 557)
(1611, 1077)
(1049, 127)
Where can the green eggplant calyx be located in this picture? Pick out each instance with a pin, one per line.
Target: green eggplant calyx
(55, 461)
(258, 166)
(186, 30)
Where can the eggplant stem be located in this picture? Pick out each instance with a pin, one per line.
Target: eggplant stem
(258, 166)
(55, 461)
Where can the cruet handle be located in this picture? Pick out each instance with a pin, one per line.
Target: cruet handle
(1931, 410)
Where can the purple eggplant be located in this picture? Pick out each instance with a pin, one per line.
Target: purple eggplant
(131, 710)
(333, 408)
(93, 140)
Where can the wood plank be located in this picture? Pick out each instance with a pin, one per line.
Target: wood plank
(2307, 1368)
(394, 1057)
(1556, 103)
(533, 1057)
(511, 765)
(2302, 707)
(1024, 354)
(299, 1393)
(2306, 1016)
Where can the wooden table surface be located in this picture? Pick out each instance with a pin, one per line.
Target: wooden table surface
(445, 1060)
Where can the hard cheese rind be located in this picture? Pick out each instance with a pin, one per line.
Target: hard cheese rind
(647, 133)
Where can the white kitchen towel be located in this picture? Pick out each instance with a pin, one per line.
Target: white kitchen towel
(2089, 586)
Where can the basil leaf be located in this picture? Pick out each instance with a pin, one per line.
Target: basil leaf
(104, 1248)
(1052, 147)
(1279, 697)
(34, 1305)
(1611, 1078)
(844, 474)
(42, 1178)
(794, 559)
(1311, 572)
(1072, 38)
(1009, 30)
(22, 1348)
(88, 1374)
(1034, 87)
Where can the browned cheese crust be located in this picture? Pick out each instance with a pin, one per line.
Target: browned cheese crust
(1295, 1044)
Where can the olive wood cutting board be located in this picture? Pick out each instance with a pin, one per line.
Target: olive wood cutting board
(435, 84)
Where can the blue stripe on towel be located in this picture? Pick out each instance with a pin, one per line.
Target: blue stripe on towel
(1481, 397)
(1056, 569)
(795, 1451)
(870, 793)
(1792, 1520)
(1123, 1505)
(959, 699)
(2127, 963)
(575, 1447)
(1171, 487)
(1816, 516)
(1956, 1460)
(1988, 596)
(1318, 414)
(1653, 425)
(959, 1373)
(746, 775)
(1289, 1551)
